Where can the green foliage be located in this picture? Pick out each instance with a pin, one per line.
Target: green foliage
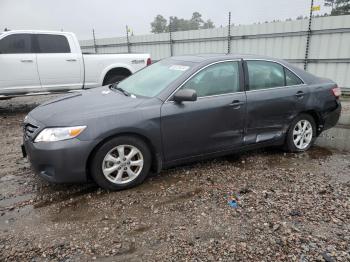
(339, 7)
(160, 24)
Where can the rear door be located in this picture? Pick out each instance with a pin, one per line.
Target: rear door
(214, 122)
(18, 64)
(275, 96)
(59, 66)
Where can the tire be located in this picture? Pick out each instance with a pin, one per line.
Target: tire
(114, 79)
(307, 123)
(112, 172)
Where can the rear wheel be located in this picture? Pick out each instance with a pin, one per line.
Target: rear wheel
(121, 163)
(301, 134)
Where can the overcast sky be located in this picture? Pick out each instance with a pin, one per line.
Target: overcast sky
(109, 17)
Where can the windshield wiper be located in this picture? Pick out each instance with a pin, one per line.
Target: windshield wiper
(115, 86)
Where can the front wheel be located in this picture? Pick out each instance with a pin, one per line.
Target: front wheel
(121, 163)
(301, 134)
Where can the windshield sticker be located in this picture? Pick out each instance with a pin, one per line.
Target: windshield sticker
(179, 67)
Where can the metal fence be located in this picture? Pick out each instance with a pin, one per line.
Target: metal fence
(328, 53)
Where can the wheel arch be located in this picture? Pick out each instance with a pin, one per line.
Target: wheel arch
(317, 118)
(119, 70)
(156, 164)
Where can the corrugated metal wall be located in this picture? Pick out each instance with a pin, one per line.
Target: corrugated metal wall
(329, 51)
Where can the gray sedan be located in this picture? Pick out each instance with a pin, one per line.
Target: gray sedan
(178, 110)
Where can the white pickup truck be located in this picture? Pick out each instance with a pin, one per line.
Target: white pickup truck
(37, 62)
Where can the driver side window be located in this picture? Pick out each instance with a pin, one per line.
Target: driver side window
(217, 79)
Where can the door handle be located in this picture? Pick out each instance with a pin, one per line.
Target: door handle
(71, 60)
(236, 104)
(300, 94)
(26, 60)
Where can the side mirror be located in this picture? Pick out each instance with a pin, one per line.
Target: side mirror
(185, 95)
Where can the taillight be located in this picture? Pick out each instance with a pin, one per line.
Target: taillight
(336, 91)
(149, 61)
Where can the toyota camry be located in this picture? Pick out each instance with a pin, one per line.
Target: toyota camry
(177, 110)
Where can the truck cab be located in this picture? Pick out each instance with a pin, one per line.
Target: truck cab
(46, 61)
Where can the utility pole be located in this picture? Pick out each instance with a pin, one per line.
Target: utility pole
(171, 37)
(229, 34)
(308, 36)
(127, 38)
(93, 35)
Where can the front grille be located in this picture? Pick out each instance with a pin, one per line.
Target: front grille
(29, 130)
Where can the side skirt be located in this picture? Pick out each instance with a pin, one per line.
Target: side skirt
(242, 149)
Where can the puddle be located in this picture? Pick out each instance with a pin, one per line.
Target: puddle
(13, 202)
(337, 138)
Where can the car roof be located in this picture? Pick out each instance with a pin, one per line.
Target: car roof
(199, 58)
(204, 59)
(34, 32)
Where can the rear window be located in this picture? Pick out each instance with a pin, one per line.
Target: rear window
(52, 43)
(267, 74)
(16, 44)
(291, 78)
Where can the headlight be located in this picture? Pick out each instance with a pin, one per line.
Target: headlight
(59, 133)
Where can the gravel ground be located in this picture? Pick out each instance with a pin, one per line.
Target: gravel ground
(290, 207)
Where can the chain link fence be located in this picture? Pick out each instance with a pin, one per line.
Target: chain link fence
(320, 45)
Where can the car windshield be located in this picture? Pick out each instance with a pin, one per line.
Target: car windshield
(150, 81)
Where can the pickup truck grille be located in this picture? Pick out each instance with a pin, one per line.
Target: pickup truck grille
(29, 130)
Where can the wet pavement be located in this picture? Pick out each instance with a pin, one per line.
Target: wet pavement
(292, 207)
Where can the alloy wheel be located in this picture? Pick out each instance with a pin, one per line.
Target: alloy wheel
(302, 134)
(122, 164)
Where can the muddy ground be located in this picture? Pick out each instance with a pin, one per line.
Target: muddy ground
(291, 207)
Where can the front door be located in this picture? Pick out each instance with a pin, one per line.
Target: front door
(214, 122)
(18, 65)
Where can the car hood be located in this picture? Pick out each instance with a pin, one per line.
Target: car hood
(78, 107)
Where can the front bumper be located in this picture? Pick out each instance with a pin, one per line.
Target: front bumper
(59, 162)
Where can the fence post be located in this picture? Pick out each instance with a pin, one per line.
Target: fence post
(93, 35)
(308, 37)
(127, 38)
(229, 34)
(171, 38)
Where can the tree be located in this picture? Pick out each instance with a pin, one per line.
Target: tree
(196, 21)
(159, 25)
(178, 24)
(339, 7)
(208, 24)
(329, 3)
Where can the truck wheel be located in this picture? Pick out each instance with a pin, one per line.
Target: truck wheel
(114, 79)
(121, 163)
(301, 134)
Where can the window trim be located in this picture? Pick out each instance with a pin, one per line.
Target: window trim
(213, 63)
(277, 87)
